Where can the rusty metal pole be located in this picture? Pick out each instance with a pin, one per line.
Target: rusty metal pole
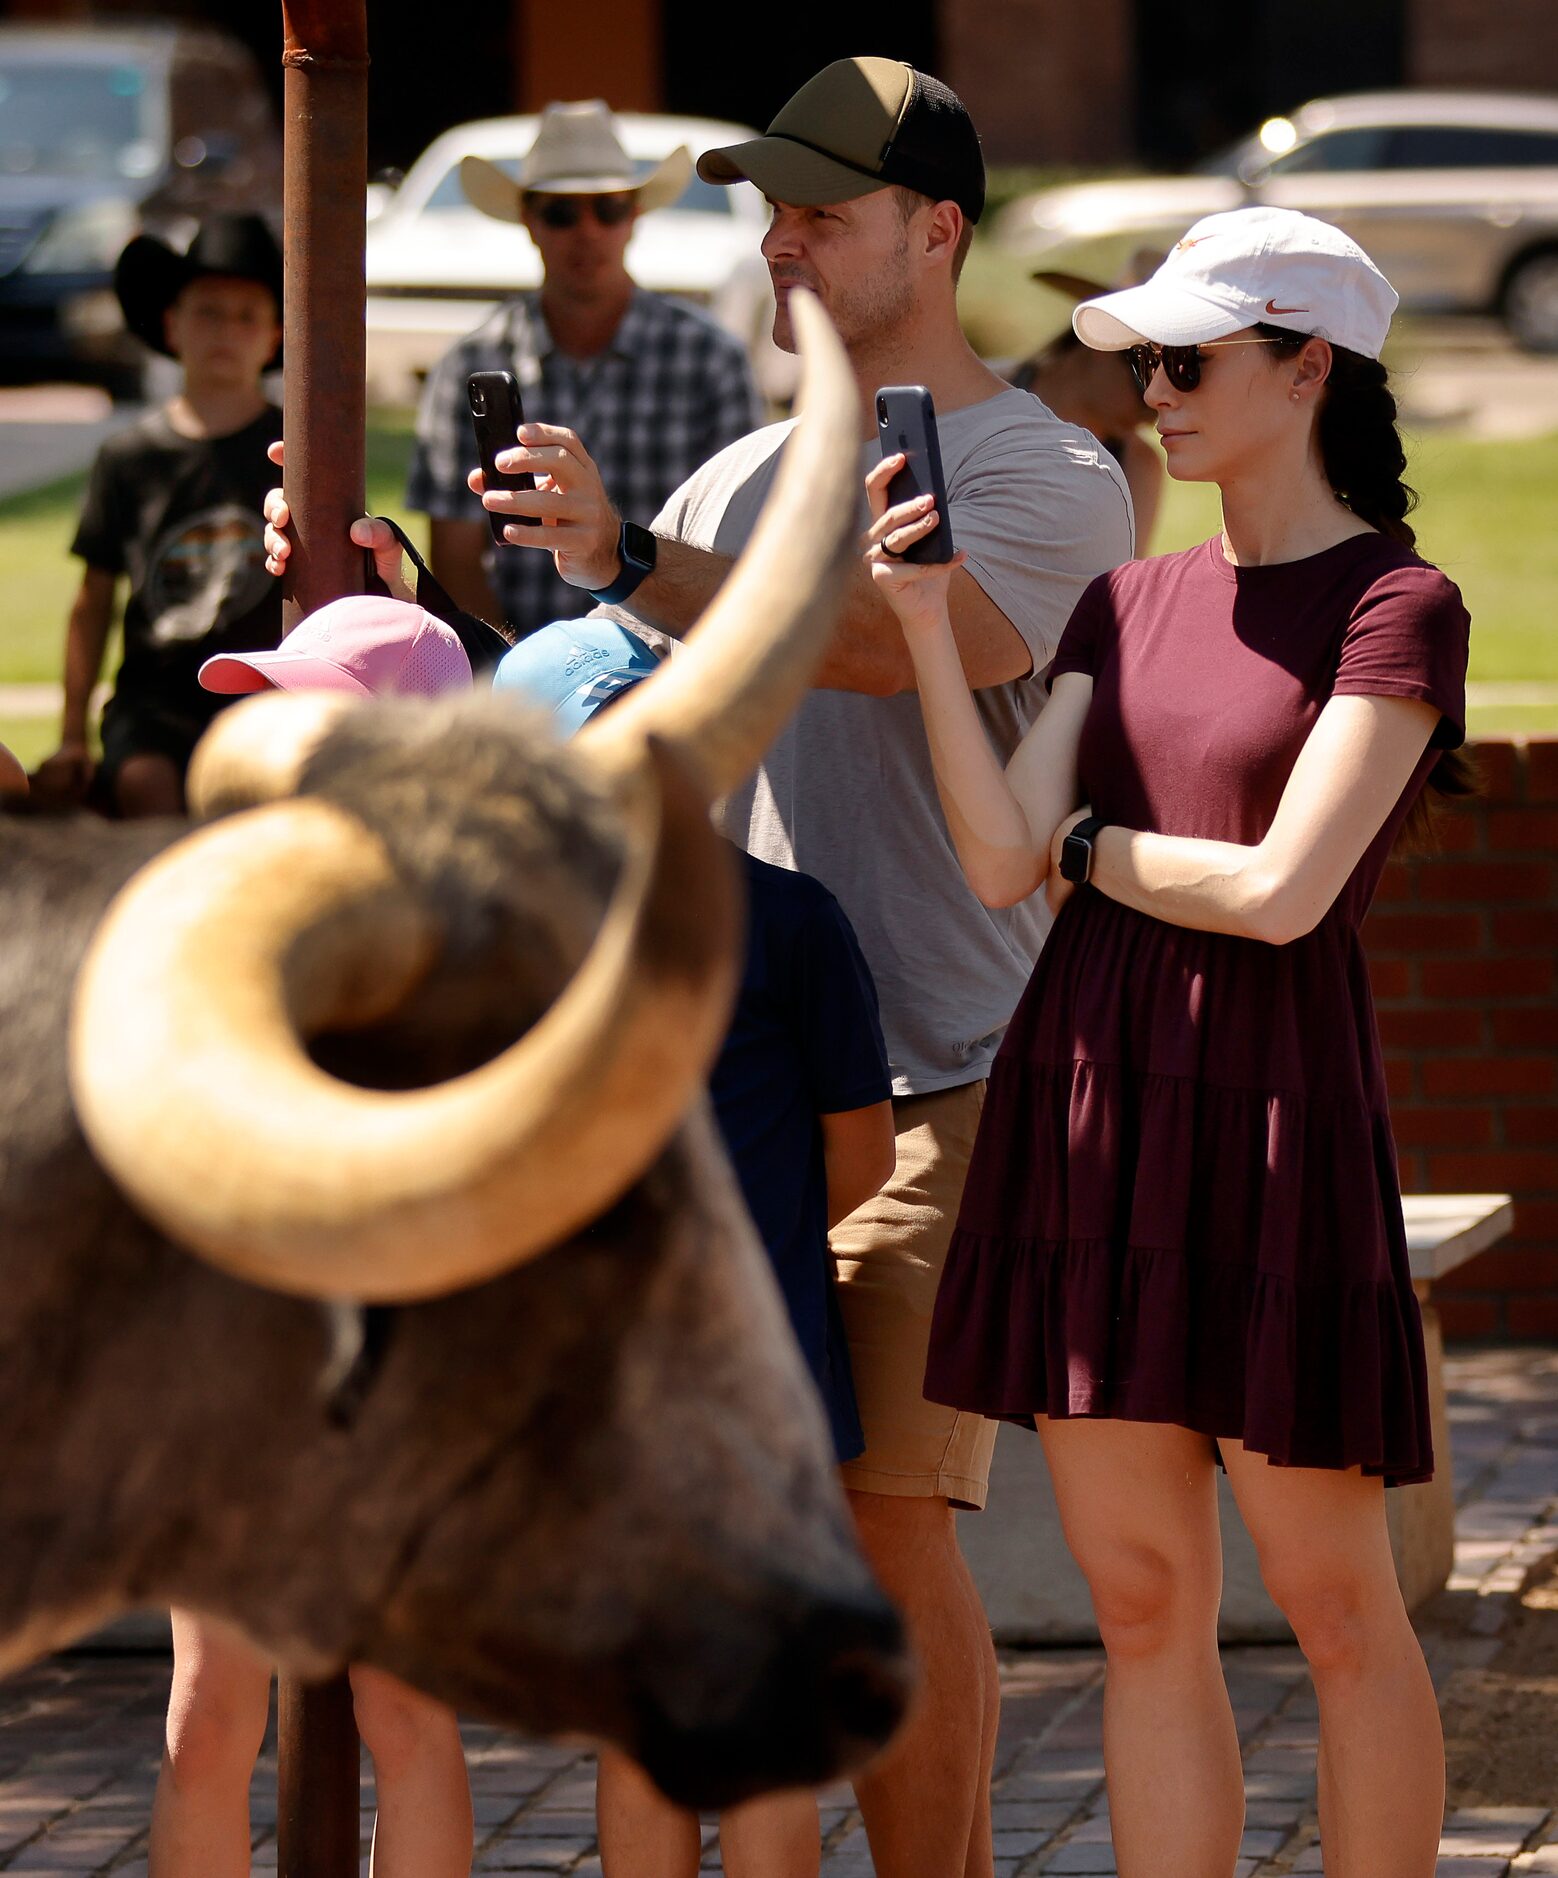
(317, 1783)
(325, 111)
(325, 204)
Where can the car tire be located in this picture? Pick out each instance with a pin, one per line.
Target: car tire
(1530, 302)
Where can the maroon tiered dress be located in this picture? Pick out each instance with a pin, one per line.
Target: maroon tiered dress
(1183, 1205)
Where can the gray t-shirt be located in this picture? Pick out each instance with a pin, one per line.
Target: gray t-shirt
(848, 794)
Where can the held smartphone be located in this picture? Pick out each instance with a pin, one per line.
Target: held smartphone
(496, 414)
(906, 421)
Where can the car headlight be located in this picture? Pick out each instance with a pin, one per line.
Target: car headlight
(85, 239)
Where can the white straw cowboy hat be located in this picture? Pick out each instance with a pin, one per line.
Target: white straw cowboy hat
(577, 152)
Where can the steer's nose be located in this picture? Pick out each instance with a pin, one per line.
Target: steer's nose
(827, 1694)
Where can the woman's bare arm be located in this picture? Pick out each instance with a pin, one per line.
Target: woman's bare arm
(1348, 777)
(1000, 819)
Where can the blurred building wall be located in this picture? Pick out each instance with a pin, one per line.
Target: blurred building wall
(618, 58)
(1045, 82)
(1509, 47)
(1083, 82)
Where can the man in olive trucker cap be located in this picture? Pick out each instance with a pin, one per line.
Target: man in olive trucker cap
(874, 177)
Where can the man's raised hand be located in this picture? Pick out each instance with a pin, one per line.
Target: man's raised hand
(579, 525)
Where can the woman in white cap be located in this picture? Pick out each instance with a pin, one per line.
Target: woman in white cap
(1181, 1238)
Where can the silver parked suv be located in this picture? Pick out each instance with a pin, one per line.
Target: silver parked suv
(1454, 194)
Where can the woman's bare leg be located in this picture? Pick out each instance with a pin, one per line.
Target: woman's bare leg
(424, 1827)
(1325, 1556)
(217, 1712)
(642, 1833)
(1138, 1504)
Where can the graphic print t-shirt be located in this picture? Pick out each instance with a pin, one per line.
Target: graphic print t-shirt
(182, 518)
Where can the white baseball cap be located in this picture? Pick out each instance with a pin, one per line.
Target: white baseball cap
(1247, 267)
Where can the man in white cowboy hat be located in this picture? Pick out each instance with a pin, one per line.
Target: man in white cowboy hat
(654, 384)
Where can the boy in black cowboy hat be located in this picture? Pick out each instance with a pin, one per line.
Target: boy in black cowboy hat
(174, 505)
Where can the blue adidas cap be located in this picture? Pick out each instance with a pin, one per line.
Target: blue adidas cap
(573, 667)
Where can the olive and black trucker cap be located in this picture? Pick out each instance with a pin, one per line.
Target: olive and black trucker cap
(859, 125)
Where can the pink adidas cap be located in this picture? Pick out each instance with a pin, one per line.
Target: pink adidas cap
(365, 644)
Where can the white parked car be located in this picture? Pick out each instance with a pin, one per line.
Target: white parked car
(1454, 194)
(437, 267)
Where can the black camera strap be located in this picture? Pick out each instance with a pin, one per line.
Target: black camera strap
(484, 643)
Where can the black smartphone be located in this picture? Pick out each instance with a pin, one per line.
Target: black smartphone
(496, 414)
(906, 421)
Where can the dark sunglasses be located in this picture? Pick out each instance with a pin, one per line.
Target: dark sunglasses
(1181, 364)
(568, 211)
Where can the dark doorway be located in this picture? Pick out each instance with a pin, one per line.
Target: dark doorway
(1210, 71)
(706, 77)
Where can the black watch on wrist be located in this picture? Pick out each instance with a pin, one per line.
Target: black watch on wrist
(1076, 851)
(636, 553)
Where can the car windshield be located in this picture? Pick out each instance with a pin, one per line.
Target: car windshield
(698, 198)
(74, 119)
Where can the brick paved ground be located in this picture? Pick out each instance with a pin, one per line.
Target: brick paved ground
(80, 1735)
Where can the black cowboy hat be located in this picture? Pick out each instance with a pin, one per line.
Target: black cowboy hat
(149, 276)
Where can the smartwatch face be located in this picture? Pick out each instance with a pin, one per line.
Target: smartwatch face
(638, 546)
(1075, 854)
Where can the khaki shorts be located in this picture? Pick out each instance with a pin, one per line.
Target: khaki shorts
(888, 1256)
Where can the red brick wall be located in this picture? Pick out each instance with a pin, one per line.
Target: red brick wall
(1462, 944)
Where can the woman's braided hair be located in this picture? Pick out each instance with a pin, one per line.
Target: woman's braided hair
(1360, 447)
(1364, 462)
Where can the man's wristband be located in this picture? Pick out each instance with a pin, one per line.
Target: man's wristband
(636, 554)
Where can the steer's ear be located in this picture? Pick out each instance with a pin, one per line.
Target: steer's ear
(257, 751)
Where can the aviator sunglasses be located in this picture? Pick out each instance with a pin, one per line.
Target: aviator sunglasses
(611, 211)
(1181, 364)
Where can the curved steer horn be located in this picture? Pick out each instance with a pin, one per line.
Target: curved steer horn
(194, 1088)
(752, 654)
(256, 750)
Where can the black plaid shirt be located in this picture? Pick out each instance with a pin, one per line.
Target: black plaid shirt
(671, 390)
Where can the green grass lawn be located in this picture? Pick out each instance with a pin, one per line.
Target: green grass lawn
(1486, 518)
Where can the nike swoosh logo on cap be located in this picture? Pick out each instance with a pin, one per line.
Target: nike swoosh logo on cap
(1273, 308)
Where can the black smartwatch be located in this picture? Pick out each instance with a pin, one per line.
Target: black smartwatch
(636, 552)
(1076, 851)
